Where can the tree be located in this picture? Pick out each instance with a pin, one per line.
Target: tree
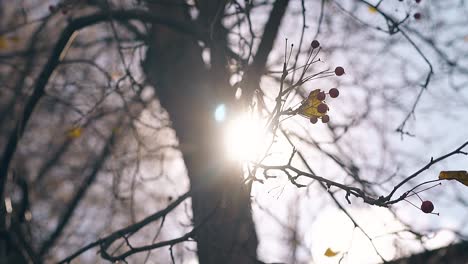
(104, 99)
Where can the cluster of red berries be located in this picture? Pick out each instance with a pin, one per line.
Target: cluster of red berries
(322, 107)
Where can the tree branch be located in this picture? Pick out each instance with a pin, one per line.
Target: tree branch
(80, 193)
(129, 229)
(256, 69)
(56, 57)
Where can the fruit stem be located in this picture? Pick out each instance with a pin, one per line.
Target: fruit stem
(411, 204)
(423, 190)
(416, 195)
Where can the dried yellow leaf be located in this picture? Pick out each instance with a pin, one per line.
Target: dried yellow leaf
(330, 253)
(74, 132)
(461, 176)
(15, 39)
(372, 9)
(309, 106)
(3, 43)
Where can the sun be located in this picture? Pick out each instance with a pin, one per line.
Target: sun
(245, 138)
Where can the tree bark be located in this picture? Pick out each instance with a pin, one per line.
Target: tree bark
(189, 90)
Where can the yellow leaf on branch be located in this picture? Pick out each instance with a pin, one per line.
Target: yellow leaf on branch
(15, 39)
(330, 253)
(3, 43)
(309, 106)
(372, 9)
(74, 132)
(461, 176)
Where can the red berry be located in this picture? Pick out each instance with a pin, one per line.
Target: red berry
(315, 44)
(322, 108)
(313, 119)
(339, 71)
(321, 96)
(427, 207)
(334, 93)
(417, 16)
(325, 119)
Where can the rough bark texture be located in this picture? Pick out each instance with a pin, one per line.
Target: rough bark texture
(189, 90)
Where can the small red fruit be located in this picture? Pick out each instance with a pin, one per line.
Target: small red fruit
(313, 119)
(321, 96)
(427, 207)
(325, 119)
(417, 15)
(334, 93)
(339, 71)
(322, 108)
(315, 44)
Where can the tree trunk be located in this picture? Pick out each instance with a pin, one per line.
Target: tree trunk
(189, 91)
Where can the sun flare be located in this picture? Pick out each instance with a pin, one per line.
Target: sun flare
(245, 138)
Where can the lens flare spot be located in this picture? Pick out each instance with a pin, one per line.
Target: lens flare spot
(220, 113)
